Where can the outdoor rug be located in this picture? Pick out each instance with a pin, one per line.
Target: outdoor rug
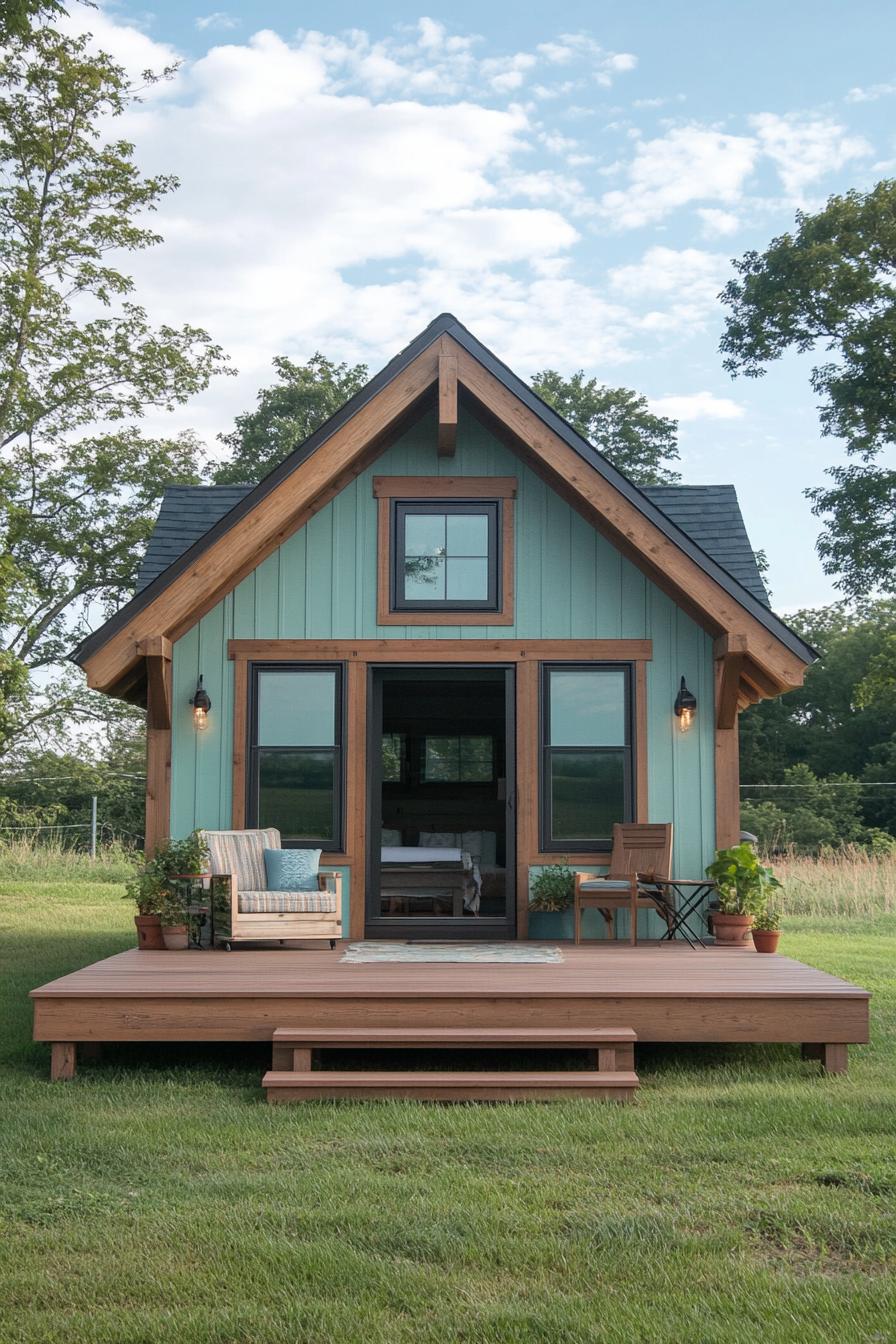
(514, 954)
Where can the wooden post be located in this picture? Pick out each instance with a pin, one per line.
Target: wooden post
(447, 405)
(157, 652)
(63, 1061)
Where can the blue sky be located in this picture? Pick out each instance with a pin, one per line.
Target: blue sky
(571, 181)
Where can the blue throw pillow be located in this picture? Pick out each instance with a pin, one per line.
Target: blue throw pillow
(291, 869)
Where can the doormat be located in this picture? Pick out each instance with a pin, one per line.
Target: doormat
(513, 954)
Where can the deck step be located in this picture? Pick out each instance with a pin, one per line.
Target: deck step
(454, 1086)
(612, 1047)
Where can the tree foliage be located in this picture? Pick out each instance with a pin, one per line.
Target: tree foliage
(617, 421)
(305, 396)
(80, 362)
(17, 17)
(829, 286)
(840, 725)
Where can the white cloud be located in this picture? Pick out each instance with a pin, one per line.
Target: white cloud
(804, 149)
(218, 20)
(684, 281)
(696, 406)
(870, 94)
(689, 163)
(718, 223)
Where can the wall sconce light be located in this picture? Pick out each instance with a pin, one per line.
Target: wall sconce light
(685, 707)
(201, 702)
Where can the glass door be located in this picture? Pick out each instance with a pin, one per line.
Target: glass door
(441, 847)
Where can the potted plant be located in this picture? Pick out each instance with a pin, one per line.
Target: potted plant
(743, 885)
(766, 930)
(551, 893)
(161, 920)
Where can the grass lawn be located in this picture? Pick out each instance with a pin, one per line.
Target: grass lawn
(742, 1198)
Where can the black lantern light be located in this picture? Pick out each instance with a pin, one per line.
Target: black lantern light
(201, 702)
(685, 706)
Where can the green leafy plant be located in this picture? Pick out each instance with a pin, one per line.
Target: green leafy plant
(743, 882)
(768, 920)
(151, 888)
(553, 888)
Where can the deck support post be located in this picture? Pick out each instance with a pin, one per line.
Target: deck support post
(63, 1061)
(833, 1058)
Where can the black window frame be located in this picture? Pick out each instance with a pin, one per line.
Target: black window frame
(595, 844)
(427, 783)
(334, 844)
(399, 511)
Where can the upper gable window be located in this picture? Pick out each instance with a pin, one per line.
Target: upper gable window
(445, 555)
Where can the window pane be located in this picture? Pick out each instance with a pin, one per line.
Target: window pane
(424, 579)
(424, 534)
(466, 580)
(476, 765)
(587, 794)
(297, 793)
(587, 707)
(393, 751)
(467, 534)
(442, 759)
(296, 709)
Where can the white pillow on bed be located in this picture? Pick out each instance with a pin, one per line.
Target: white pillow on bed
(438, 840)
(484, 844)
(391, 839)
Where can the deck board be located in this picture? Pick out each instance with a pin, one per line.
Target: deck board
(665, 992)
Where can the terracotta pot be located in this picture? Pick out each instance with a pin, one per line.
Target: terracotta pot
(149, 933)
(731, 930)
(766, 940)
(175, 937)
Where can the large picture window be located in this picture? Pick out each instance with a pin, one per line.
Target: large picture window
(586, 775)
(295, 755)
(445, 555)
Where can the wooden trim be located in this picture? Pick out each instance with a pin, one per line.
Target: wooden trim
(447, 405)
(727, 777)
(728, 690)
(240, 739)
(525, 785)
(639, 756)
(629, 529)
(158, 756)
(384, 614)
(355, 755)
(283, 509)
(443, 650)
(445, 487)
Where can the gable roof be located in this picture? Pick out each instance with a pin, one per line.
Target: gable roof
(709, 514)
(176, 597)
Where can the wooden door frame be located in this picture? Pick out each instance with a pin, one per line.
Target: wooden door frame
(359, 655)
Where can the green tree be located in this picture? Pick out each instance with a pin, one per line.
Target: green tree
(829, 286)
(18, 16)
(305, 396)
(80, 361)
(806, 813)
(618, 422)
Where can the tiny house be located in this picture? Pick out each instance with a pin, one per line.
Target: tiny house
(445, 642)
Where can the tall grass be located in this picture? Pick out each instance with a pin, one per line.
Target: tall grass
(849, 881)
(27, 859)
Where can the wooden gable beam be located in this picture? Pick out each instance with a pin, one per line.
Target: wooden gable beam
(276, 516)
(629, 529)
(447, 405)
(729, 690)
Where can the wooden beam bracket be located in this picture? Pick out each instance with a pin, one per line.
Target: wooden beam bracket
(447, 405)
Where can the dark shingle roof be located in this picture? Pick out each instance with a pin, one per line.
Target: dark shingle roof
(709, 514)
(186, 514)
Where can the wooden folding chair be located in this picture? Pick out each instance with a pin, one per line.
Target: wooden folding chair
(641, 850)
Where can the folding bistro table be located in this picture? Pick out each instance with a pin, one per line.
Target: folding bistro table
(682, 899)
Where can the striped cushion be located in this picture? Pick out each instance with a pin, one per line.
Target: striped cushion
(241, 854)
(287, 902)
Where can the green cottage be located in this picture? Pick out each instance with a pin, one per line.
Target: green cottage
(443, 642)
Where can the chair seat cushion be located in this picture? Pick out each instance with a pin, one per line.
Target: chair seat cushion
(607, 884)
(287, 902)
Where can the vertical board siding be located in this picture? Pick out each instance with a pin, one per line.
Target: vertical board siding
(569, 581)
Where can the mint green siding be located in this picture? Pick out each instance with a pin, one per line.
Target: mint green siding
(570, 583)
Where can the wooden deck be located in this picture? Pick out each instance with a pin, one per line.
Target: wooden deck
(664, 992)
